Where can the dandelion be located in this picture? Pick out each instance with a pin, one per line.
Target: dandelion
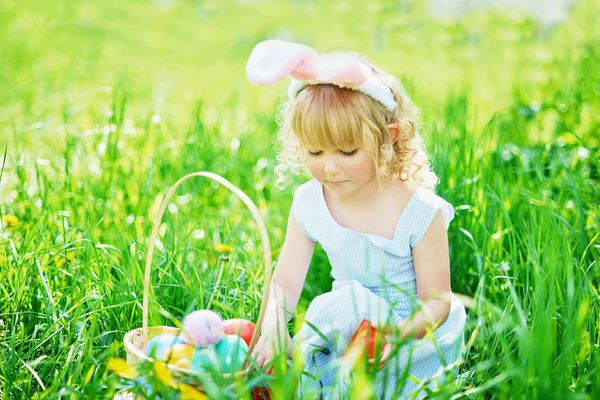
(63, 260)
(362, 387)
(262, 163)
(9, 220)
(189, 393)
(121, 368)
(224, 248)
(583, 153)
(163, 374)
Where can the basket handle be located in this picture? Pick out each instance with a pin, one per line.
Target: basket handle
(265, 242)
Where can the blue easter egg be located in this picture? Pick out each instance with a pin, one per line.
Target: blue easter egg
(231, 353)
(159, 346)
(204, 358)
(144, 387)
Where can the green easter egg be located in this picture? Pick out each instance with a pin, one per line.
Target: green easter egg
(231, 353)
(204, 359)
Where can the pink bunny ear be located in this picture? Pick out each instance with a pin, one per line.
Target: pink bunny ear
(342, 69)
(271, 60)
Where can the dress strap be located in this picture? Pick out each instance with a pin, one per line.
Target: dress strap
(303, 207)
(422, 213)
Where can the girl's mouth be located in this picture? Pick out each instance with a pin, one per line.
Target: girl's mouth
(337, 183)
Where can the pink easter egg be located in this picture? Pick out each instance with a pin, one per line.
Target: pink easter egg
(202, 327)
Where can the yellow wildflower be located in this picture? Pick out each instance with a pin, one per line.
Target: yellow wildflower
(189, 393)
(121, 368)
(362, 387)
(63, 260)
(224, 248)
(163, 374)
(9, 220)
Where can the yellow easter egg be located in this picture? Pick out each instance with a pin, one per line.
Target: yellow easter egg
(180, 355)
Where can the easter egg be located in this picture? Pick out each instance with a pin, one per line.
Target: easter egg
(261, 393)
(231, 353)
(159, 345)
(240, 327)
(180, 355)
(368, 338)
(204, 358)
(202, 327)
(142, 384)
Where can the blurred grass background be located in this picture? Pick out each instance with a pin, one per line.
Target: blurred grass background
(104, 105)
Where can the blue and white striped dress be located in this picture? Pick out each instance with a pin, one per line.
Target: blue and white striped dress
(374, 278)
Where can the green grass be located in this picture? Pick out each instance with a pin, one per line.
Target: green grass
(104, 105)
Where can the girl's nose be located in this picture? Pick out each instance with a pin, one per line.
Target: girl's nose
(331, 167)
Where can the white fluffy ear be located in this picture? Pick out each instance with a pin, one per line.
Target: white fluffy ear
(344, 70)
(271, 60)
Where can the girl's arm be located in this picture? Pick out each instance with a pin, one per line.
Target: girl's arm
(288, 280)
(432, 268)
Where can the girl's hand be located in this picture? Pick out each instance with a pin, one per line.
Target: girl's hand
(389, 331)
(379, 362)
(269, 345)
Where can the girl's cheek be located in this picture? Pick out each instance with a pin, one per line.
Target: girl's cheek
(361, 168)
(313, 167)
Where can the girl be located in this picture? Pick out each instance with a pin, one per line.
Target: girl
(371, 207)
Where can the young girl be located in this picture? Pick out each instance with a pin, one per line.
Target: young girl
(371, 207)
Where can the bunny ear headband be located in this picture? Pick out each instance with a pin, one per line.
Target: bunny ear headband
(271, 60)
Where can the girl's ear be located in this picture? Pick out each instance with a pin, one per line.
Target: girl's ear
(395, 130)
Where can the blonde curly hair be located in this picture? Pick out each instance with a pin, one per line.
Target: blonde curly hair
(325, 116)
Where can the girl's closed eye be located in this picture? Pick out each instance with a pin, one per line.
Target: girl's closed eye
(349, 153)
(344, 153)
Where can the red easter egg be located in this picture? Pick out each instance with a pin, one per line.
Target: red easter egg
(261, 393)
(239, 327)
(368, 337)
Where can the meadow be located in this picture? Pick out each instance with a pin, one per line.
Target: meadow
(104, 105)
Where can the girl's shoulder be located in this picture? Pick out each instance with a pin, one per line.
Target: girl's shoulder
(307, 208)
(424, 205)
(308, 191)
(428, 203)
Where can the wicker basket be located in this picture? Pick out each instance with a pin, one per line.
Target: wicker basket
(136, 340)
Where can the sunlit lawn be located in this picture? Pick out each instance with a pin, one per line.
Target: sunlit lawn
(104, 105)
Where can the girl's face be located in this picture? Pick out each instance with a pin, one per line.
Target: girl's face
(342, 171)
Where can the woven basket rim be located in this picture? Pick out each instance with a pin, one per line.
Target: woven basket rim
(142, 356)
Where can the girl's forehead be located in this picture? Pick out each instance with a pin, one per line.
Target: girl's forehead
(324, 140)
(332, 151)
(335, 146)
(327, 130)
(329, 117)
